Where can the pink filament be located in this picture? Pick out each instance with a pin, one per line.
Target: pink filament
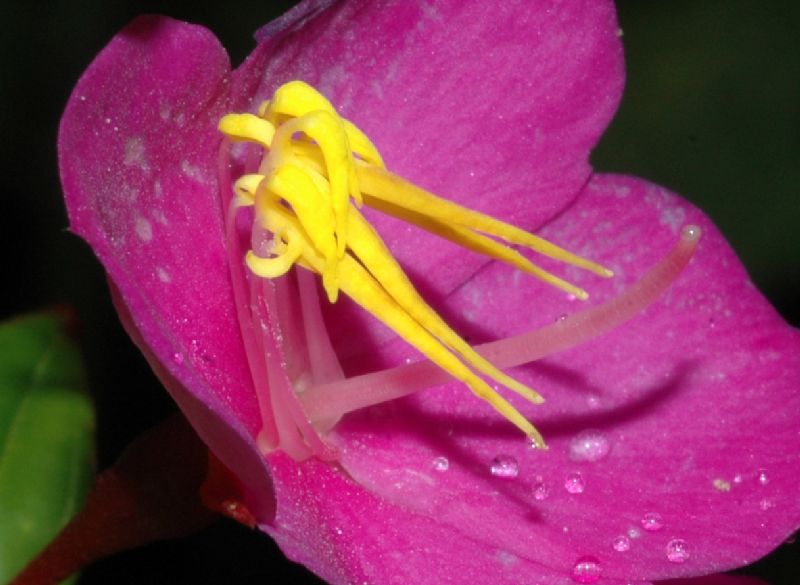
(269, 432)
(272, 339)
(332, 400)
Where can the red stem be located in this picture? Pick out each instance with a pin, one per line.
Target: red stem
(151, 493)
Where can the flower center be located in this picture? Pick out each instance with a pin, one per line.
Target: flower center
(314, 172)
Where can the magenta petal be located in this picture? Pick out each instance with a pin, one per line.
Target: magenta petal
(721, 579)
(343, 533)
(692, 411)
(138, 151)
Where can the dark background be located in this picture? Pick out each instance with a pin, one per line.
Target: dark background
(711, 110)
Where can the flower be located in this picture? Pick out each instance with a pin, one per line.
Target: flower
(673, 433)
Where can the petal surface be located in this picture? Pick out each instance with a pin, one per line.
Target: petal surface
(138, 155)
(496, 109)
(346, 535)
(678, 426)
(720, 579)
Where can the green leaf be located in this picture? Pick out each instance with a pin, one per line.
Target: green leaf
(46, 436)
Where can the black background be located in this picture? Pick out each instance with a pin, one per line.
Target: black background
(711, 110)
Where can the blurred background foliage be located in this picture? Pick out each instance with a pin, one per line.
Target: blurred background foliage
(711, 110)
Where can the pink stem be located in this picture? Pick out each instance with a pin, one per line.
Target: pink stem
(332, 400)
(269, 433)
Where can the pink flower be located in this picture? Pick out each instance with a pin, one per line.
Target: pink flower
(672, 438)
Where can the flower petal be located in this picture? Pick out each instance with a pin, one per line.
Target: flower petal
(138, 156)
(720, 579)
(690, 411)
(346, 535)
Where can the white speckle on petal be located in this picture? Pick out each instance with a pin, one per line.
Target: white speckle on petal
(143, 229)
(135, 155)
(165, 111)
(192, 171)
(506, 558)
(159, 216)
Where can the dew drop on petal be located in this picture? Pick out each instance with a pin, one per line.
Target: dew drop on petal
(177, 358)
(737, 479)
(441, 464)
(677, 551)
(766, 504)
(633, 532)
(540, 491)
(589, 445)
(574, 483)
(561, 318)
(586, 570)
(763, 478)
(652, 522)
(505, 466)
(621, 543)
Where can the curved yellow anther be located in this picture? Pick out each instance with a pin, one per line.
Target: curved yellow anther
(288, 248)
(327, 131)
(247, 127)
(296, 98)
(295, 186)
(246, 188)
(362, 145)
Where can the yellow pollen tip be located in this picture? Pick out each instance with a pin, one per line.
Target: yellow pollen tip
(317, 169)
(247, 127)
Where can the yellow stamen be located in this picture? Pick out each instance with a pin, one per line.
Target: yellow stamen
(247, 127)
(314, 163)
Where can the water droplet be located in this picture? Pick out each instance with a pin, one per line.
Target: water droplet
(505, 466)
(763, 478)
(634, 532)
(177, 358)
(561, 318)
(441, 464)
(589, 445)
(652, 522)
(540, 491)
(677, 551)
(586, 570)
(621, 543)
(737, 479)
(574, 483)
(593, 402)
